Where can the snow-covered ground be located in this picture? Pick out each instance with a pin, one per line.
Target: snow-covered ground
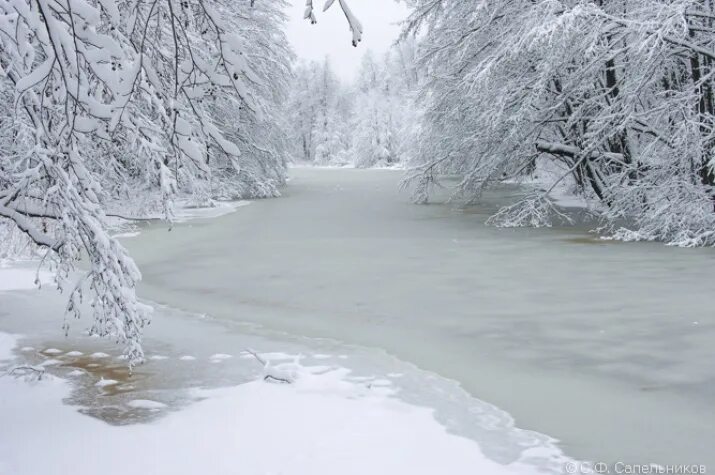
(322, 423)
(21, 275)
(325, 421)
(184, 210)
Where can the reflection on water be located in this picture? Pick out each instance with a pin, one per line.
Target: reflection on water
(101, 384)
(108, 369)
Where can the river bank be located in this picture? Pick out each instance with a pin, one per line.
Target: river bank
(202, 403)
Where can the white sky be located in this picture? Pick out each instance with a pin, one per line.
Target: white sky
(331, 36)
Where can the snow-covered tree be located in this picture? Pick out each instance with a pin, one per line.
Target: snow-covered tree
(327, 139)
(318, 110)
(111, 105)
(373, 139)
(364, 123)
(612, 96)
(384, 107)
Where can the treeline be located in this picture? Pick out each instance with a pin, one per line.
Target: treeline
(365, 123)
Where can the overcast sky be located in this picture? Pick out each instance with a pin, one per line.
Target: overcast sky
(332, 37)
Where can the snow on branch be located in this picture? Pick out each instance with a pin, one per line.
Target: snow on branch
(534, 211)
(272, 373)
(613, 100)
(109, 105)
(353, 22)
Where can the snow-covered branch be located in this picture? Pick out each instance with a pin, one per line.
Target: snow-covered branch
(353, 22)
(117, 104)
(618, 94)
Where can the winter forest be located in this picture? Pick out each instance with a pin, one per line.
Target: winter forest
(594, 117)
(366, 124)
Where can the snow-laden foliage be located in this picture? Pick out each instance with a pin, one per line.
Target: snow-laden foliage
(318, 110)
(383, 109)
(115, 106)
(363, 124)
(617, 93)
(353, 22)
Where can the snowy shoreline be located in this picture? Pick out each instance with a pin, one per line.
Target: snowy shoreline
(324, 422)
(185, 212)
(349, 166)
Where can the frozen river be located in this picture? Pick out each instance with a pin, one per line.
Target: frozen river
(608, 347)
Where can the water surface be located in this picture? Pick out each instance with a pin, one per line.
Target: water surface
(605, 346)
